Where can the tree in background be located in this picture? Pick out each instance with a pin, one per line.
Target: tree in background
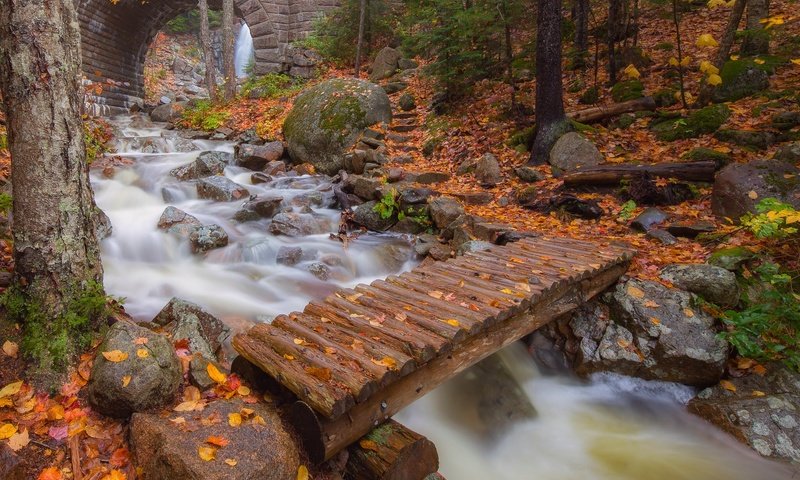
(58, 294)
(362, 17)
(756, 38)
(551, 122)
(228, 64)
(208, 53)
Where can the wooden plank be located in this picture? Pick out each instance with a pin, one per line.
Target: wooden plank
(324, 438)
(392, 451)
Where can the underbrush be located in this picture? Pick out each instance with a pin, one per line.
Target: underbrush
(272, 85)
(204, 115)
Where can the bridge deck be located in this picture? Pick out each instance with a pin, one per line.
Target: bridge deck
(362, 354)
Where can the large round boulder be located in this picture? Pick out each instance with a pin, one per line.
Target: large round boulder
(740, 186)
(573, 151)
(327, 119)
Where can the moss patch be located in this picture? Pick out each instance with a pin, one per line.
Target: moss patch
(702, 154)
(703, 121)
(628, 90)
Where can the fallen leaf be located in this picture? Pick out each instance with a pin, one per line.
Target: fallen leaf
(7, 430)
(115, 475)
(115, 356)
(140, 341)
(752, 194)
(231, 462)
(243, 391)
(688, 312)
(758, 393)
(191, 393)
(651, 304)
(186, 406)
(302, 473)
(142, 353)
(207, 453)
(259, 420)
(635, 292)
(58, 433)
(19, 440)
(436, 294)
(387, 362)
(234, 419)
(50, 473)
(120, 457)
(10, 348)
(453, 322)
(727, 385)
(320, 373)
(217, 441)
(10, 389)
(56, 412)
(126, 380)
(367, 444)
(215, 374)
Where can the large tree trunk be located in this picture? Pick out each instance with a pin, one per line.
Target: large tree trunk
(208, 53)
(227, 50)
(362, 15)
(551, 122)
(55, 246)
(724, 50)
(756, 42)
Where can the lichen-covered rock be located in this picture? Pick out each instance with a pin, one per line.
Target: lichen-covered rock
(154, 376)
(261, 446)
(206, 164)
(713, 283)
(627, 90)
(528, 174)
(220, 189)
(366, 216)
(385, 64)
(407, 102)
(730, 258)
(740, 78)
(207, 237)
(740, 186)
(261, 207)
(179, 312)
(487, 171)
(327, 119)
(701, 154)
(760, 411)
(573, 151)
(444, 211)
(789, 153)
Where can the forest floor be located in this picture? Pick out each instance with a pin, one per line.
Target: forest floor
(45, 427)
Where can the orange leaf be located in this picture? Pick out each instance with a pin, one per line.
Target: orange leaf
(115, 356)
(727, 385)
(50, 473)
(120, 457)
(231, 461)
(207, 453)
(215, 374)
(142, 353)
(234, 419)
(126, 380)
(302, 473)
(218, 441)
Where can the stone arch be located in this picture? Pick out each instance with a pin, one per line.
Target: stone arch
(115, 39)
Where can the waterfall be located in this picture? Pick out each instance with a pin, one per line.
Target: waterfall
(243, 51)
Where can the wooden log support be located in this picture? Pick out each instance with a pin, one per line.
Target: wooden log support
(613, 174)
(596, 114)
(324, 437)
(391, 451)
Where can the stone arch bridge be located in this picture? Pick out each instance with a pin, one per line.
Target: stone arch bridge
(116, 36)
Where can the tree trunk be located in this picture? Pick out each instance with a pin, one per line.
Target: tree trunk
(582, 26)
(508, 52)
(362, 14)
(677, 22)
(702, 171)
(756, 42)
(227, 50)
(612, 32)
(551, 122)
(56, 249)
(724, 50)
(208, 53)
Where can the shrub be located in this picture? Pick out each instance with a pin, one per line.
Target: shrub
(204, 115)
(271, 85)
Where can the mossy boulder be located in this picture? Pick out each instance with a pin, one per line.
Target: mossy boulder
(703, 121)
(753, 139)
(702, 154)
(327, 119)
(627, 90)
(740, 78)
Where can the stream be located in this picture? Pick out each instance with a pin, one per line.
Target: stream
(611, 427)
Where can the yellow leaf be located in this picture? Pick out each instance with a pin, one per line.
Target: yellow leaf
(706, 40)
(655, 321)
(126, 380)
(7, 430)
(387, 362)
(6, 402)
(115, 356)
(19, 440)
(215, 374)
(635, 292)
(243, 391)
(115, 475)
(436, 294)
(507, 291)
(230, 461)
(302, 473)
(56, 412)
(186, 406)
(259, 420)
(686, 61)
(10, 348)
(708, 68)
(298, 341)
(752, 194)
(207, 453)
(453, 322)
(631, 72)
(10, 389)
(716, 3)
(142, 353)
(234, 419)
(770, 22)
(795, 61)
(688, 312)
(714, 79)
(673, 62)
(759, 61)
(727, 385)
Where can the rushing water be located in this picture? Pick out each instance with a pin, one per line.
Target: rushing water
(611, 428)
(244, 52)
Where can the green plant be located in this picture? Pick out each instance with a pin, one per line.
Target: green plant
(96, 135)
(419, 215)
(271, 85)
(388, 205)
(189, 22)
(6, 203)
(627, 210)
(204, 115)
(3, 141)
(774, 219)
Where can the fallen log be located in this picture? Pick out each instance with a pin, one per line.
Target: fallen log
(595, 114)
(392, 452)
(612, 174)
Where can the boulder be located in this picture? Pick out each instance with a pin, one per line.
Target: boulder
(740, 78)
(366, 216)
(714, 284)
(731, 258)
(169, 112)
(256, 157)
(260, 448)
(320, 270)
(327, 120)
(298, 224)
(740, 186)
(207, 164)
(789, 153)
(176, 221)
(274, 168)
(487, 171)
(12, 466)
(573, 151)
(429, 178)
(261, 207)
(528, 174)
(385, 64)
(444, 211)
(394, 87)
(289, 255)
(656, 333)
(178, 312)
(754, 139)
(407, 64)
(220, 189)
(762, 411)
(207, 237)
(648, 219)
(103, 227)
(407, 102)
(155, 373)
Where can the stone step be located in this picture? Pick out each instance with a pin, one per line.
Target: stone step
(404, 128)
(402, 115)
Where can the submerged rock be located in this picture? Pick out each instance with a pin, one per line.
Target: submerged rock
(207, 237)
(298, 224)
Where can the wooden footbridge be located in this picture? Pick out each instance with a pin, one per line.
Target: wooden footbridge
(361, 355)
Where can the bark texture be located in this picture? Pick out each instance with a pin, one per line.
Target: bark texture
(362, 14)
(208, 53)
(227, 50)
(581, 8)
(55, 246)
(756, 42)
(551, 122)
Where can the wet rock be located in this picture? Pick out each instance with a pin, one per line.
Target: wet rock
(648, 219)
(103, 228)
(714, 284)
(261, 207)
(657, 333)
(366, 216)
(392, 256)
(274, 168)
(789, 153)
(407, 102)
(573, 151)
(155, 378)
(320, 270)
(220, 189)
(740, 186)
(206, 164)
(256, 157)
(690, 229)
(760, 411)
(289, 255)
(198, 372)
(262, 446)
(207, 237)
(731, 258)
(365, 187)
(445, 210)
(260, 177)
(487, 171)
(304, 169)
(528, 174)
(385, 64)
(169, 112)
(298, 224)
(178, 222)
(179, 312)
(663, 236)
(440, 251)
(428, 178)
